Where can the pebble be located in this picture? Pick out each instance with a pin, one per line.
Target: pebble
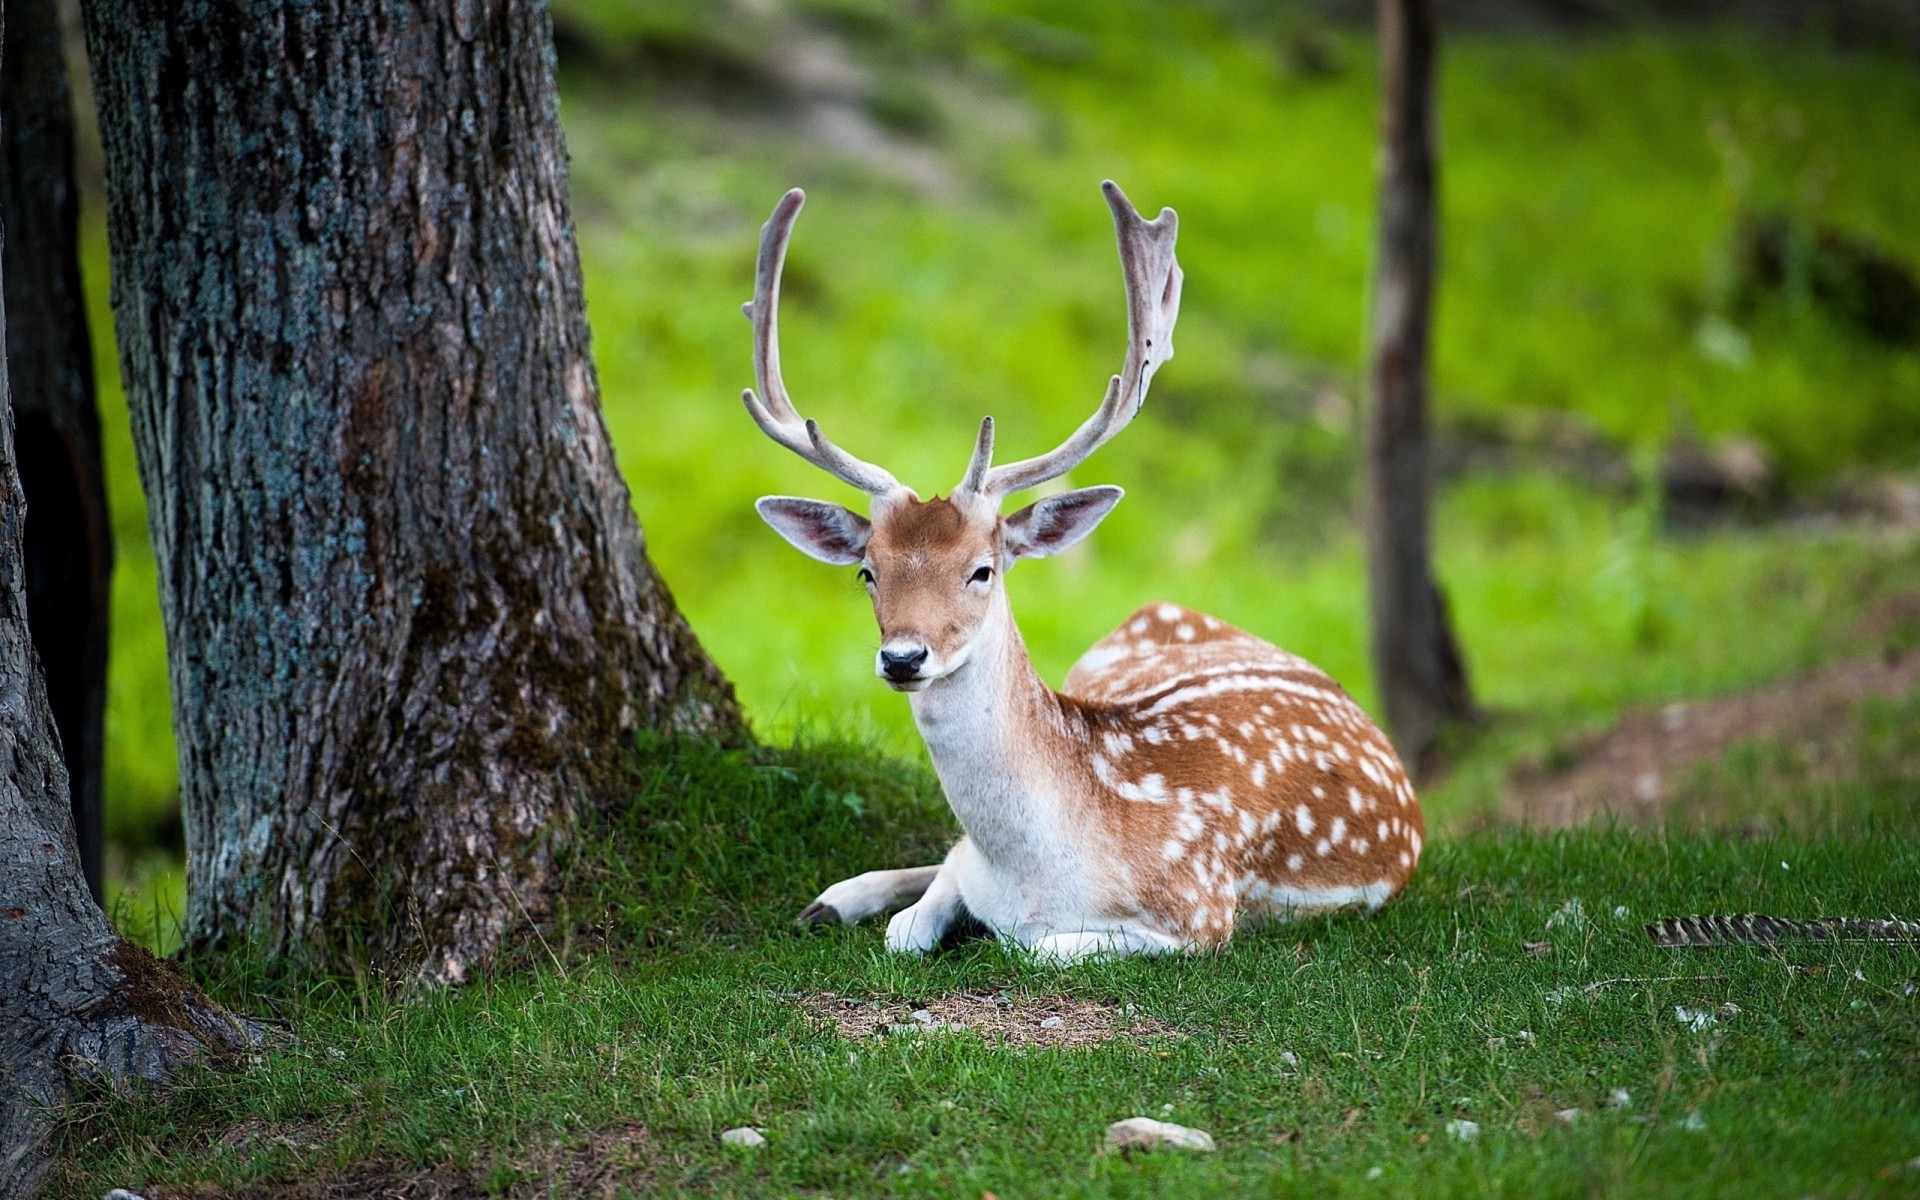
(1145, 1133)
(122, 1194)
(1463, 1130)
(1619, 1098)
(1054, 1023)
(1570, 1115)
(745, 1135)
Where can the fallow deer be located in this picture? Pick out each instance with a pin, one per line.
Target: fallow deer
(1188, 776)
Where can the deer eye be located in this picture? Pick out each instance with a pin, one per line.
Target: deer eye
(982, 575)
(866, 576)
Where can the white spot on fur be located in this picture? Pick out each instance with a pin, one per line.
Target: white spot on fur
(1303, 818)
(1338, 833)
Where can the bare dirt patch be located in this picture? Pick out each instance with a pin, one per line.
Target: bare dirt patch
(997, 1017)
(623, 1160)
(1633, 769)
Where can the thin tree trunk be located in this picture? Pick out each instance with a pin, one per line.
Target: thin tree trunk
(76, 1000)
(410, 619)
(1422, 677)
(69, 540)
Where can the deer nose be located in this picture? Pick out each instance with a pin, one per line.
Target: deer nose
(902, 665)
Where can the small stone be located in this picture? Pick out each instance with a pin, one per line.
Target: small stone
(923, 1016)
(745, 1135)
(122, 1194)
(1462, 1130)
(1054, 1023)
(1698, 1020)
(1619, 1098)
(1375, 1172)
(1290, 1058)
(1145, 1133)
(1568, 1116)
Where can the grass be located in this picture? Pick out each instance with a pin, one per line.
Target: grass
(667, 999)
(1593, 190)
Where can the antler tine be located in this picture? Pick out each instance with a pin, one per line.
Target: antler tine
(775, 415)
(1153, 280)
(975, 480)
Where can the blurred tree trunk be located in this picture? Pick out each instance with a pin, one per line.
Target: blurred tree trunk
(76, 999)
(410, 619)
(69, 541)
(1422, 677)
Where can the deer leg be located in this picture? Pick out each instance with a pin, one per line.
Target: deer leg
(1065, 949)
(854, 900)
(921, 927)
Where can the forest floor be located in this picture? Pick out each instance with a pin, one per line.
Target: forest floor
(1738, 698)
(1504, 1027)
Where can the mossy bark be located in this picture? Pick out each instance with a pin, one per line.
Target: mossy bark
(410, 618)
(76, 1000)
(69, 541)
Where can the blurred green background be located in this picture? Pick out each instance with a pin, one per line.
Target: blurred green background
(1660, 246)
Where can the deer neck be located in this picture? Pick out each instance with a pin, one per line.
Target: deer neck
(995, 732)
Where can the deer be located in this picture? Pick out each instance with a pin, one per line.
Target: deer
(1187, 777)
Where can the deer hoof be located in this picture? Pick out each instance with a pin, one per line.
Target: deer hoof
(819, 914)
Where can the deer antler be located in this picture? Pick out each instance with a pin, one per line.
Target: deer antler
(777, 417)
(1153, 304)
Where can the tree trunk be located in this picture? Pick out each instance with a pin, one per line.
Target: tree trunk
(1422, 677)
(69, 541)
(410, 618)
(75, 998)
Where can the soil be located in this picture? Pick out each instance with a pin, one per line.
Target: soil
(998, 1017)
(612, 1162)
(1632, 769)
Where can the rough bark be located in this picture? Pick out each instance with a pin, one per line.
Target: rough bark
(76, 1000)
(410, 618)
(69, 541)
(1417, 661)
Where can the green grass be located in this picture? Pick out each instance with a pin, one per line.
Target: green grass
(667, 996)
(1592, 189)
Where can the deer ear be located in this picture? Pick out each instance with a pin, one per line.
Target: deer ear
(1046, 527)
(817, 529)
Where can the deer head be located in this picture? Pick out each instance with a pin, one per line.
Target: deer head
(934, 567)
